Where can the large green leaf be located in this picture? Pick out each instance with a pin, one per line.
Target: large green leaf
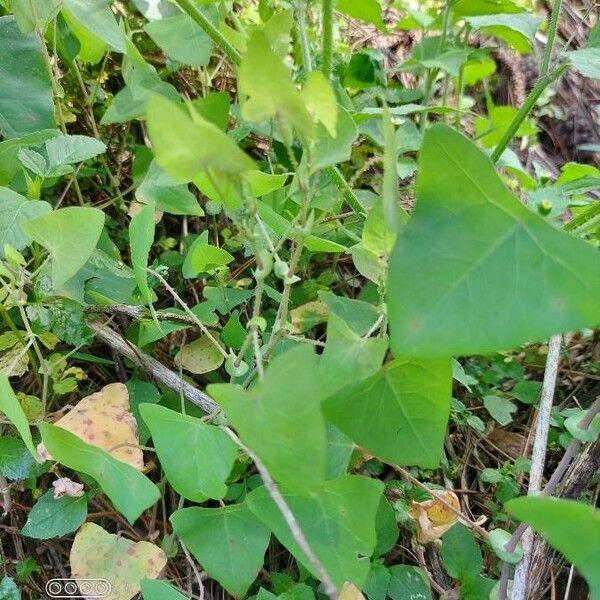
(70, 236)
(155, 589)
(365, 10)
(14, 211)
(338, 523)
(10, 406)
(38, 16)
(400, 414)
(475, 270)
(185, 147)
(26, 101)
(229, 542)
(181, 39)
(94, 19)
(130, 491)
(586, 61)
(280, 418)
(196, 457)
(571, 527)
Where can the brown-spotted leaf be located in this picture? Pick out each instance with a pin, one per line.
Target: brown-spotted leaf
(433, 517)
(104, 420)
(98, 554)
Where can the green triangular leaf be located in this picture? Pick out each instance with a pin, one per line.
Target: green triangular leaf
(199, 472)
(70, 236)
(228, 542)
(475, 270)
(280, 418)
(338, 522)
(185, 147)
(400, 414)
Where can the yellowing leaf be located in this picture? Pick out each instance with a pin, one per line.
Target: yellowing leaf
(185, 148)
(350, 592)
(270, 93)
(97, 554)
(433, 517)
(308, 315)
(199, 356)
(104, 420)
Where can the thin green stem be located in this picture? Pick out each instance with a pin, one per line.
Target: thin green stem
(553, 28)
(300, 17)
(525, 109)
(189, 7)
(327, 22)
(345, 188)
(584, 217)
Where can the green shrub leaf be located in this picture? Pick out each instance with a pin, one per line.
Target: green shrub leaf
(229, 542)
(475, 270)
(52, 517)
(399, 414)
(26, 104)
(70, 236)
(196, 457)
(128, 489)
(571, 527)
(338, 522)
(286, 404)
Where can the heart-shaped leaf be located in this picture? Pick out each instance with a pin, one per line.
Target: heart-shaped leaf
(475, 270)
(229, 542)
(70, 236)
(198, 467)
(97, 554)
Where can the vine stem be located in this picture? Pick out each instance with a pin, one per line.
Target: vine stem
(300, 17)
(189, 312)
(553, 28)
(553, 482)
(153, 367)
(293, 525)
(525, 109)
(327, 24)
(538, 459)
(189, 7)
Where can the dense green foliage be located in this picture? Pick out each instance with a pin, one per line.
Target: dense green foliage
(212, 202)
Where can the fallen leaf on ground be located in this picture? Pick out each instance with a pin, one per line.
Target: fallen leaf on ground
(434, 518)
(104, 420)
(97, 554)
(66, 487)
